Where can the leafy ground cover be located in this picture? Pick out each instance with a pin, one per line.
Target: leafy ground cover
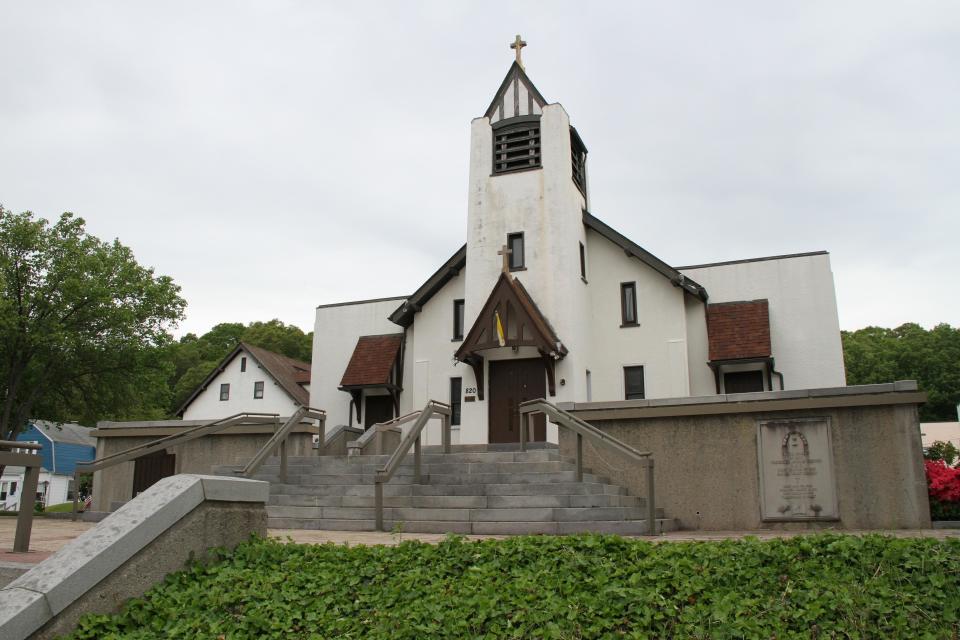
(823, 586)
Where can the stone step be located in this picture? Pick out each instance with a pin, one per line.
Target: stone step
(439, 478)
(479, 456)
(519, 514)
(619, 527)
(460, 502)
(407, 489)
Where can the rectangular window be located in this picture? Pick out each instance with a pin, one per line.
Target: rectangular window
(628, 303)
(258, 390)
(517, 146)
(458, 319)
(583, 262)
(243, 365)
(456, 385)
(743, 381)
(633, 383)
(515, 244)
(224, 392)
(578, 158)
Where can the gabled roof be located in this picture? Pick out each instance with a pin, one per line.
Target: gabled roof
(634, 250)
(515, 76)
(403, 315)
(289, 373)
(372, 361)
(66, 432)
(522, 321)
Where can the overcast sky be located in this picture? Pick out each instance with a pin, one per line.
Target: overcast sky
(274, 156)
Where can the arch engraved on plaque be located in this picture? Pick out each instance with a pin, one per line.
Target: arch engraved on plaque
(795, 462)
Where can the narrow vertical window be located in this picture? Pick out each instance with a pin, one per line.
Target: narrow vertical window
(628, 303)
(456, 384)
(243, 364)
(515, 244)
(224, 392)
(633, 383)
(258, 390)
(589, 386)
(458, 319)
(583, 262)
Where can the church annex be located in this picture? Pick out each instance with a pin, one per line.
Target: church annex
(546, 300)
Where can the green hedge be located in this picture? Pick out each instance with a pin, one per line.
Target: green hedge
(823, 586)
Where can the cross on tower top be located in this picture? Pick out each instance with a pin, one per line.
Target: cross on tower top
(505, 252)
(518, 44)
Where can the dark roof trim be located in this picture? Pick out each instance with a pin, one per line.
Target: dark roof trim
(524, 78)
(403, 315)
(371, 300)
(241, 346)
(633, 249)
(782, 257)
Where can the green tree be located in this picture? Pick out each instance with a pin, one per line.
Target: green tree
(82, 326)
(282, 338)
(909, 352)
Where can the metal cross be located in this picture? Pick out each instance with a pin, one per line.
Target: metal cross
(505, 252)
(518, 44)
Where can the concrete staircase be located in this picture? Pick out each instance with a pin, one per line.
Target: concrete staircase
(476, 489)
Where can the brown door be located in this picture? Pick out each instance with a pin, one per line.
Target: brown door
(147, 470)
(378, 409)
(513, 382)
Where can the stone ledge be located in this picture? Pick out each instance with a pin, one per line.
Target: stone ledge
(87, 560)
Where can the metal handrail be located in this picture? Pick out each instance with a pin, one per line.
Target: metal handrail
(374, 431)
(279, 439)
(30, 460)
(163, 443)
(412, 439)
(583, 430)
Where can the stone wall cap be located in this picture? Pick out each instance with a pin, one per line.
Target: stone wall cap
(22, 612)
(227, 489)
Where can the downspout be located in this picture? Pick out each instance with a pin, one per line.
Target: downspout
(773, 370)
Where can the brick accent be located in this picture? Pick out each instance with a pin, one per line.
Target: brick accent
(372, 360)
(739, 330)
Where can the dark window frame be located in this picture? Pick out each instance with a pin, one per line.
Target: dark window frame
(515, 263)
(625, 307)
(258, 387)
(741, 376)
(583, 262)
(243, 364)
(634, 395)
(225, 392)
(517, 145)
(459, 311)
(578, 161)
(456, 401)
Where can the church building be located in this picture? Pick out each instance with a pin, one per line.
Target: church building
(544, 299)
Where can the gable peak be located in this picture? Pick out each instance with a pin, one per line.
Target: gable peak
(517, 95)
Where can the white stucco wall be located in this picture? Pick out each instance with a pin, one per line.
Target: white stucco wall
(335, 334)
(208, 406)
(804, 326)
(658, 342)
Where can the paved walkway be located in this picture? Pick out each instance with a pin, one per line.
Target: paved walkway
(49, 535)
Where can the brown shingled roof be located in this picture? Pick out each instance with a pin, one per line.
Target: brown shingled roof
(372, 361)
(739, 330)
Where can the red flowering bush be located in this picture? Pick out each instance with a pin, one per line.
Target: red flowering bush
(943, 481)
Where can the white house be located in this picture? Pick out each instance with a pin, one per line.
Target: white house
(545, 300)
(250, 380)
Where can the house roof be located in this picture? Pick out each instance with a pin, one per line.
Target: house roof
(636, 251)
(739, 330)
(67, 432)
(289, 373)
(403, 315)
(372, 361)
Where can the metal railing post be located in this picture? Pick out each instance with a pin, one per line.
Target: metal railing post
(416, 461)
(322, 443)
(28, 496)
(378, 503)
(579, 458)
(651, 506)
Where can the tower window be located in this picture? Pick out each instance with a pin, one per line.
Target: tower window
(583, 262)
(578, 158)
(515, 244)
(458, 319)
(628, 303)
(258, 390)
(516, 145)
(243, 364)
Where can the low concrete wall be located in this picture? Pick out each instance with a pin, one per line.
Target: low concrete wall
(179, 518)
(706, 462)
(234, 446)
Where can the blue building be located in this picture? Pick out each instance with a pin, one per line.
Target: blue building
(64, 445)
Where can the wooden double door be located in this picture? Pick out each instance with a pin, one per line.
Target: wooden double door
(149, 469)
(513, 382)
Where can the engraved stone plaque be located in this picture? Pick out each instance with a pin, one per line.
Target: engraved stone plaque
(796, 470)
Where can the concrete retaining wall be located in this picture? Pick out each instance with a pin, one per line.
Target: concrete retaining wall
(178, 518)
(706, 464)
